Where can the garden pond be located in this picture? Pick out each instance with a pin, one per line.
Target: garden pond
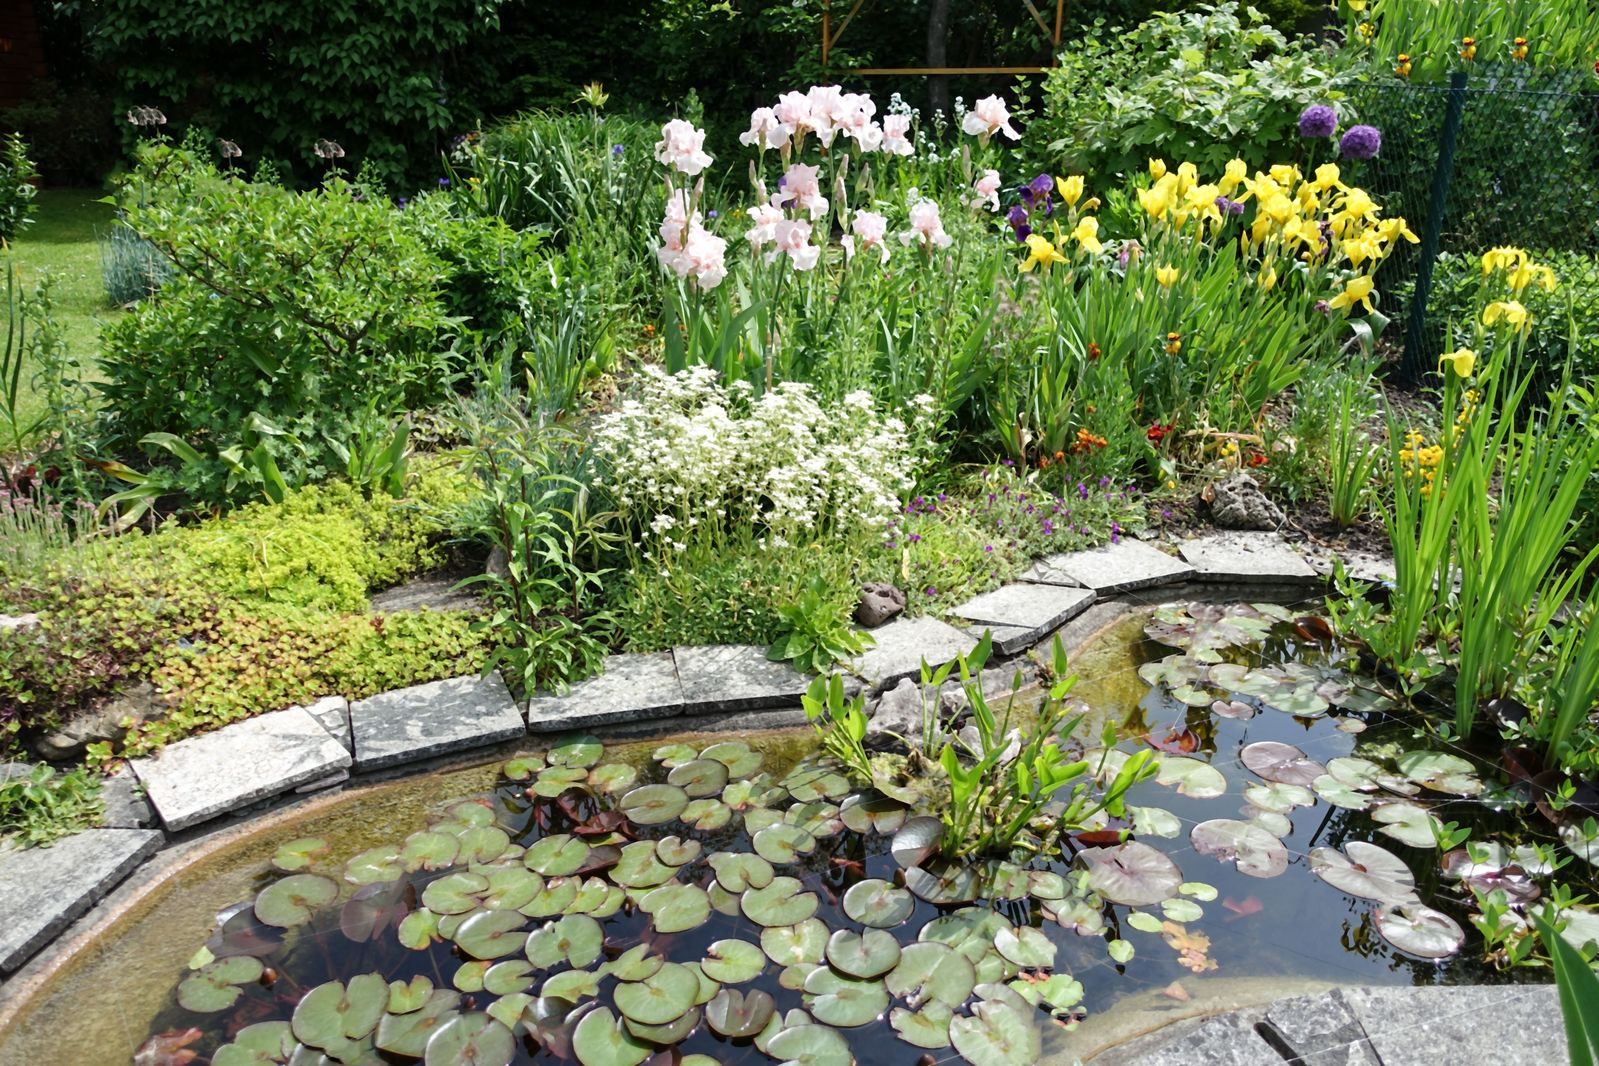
(740, 901)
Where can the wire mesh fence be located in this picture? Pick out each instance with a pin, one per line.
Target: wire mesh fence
(1501, 155)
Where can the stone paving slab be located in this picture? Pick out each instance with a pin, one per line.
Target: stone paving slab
(632, 688)
(1247, 557)
(211, 774)
(420, 722)
(1360, 565)
(904, 643)
(735, 677)
(1007, 640)
(1047, 571)
(126, 806)
(44, 890)
(1322, 1030)
(1036, 609)
(1225, 1040)
(333, 714)
(1511, 1025)
(1127, 564)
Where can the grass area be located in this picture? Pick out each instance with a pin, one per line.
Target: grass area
(62, 242)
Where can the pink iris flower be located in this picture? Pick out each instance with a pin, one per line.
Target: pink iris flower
(802, 188)
(793, 238)
(927, 228)
(896, 131)
(871, 229)
(682, 147)
(990, 116)
(987, 190)
(766, 130)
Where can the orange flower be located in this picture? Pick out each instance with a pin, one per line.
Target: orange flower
(1093, 351)
(1174, 343)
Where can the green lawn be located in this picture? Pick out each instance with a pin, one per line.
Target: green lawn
(61, 242)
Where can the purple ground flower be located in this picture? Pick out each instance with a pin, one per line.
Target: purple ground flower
(1360, 142)
(1229, 207)
(616, 149)
(1318, 120)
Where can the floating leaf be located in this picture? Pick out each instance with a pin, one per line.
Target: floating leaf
(700, 778)
(816, 783)
(808, 1045)
(469, 975)
(677, 908)
(600, 1040)
(481, 844)
(932, 971)
(1059, 992)
(1419, 930)
(876, 903)
(942, 883)
(783, 902)
(509, 977)
(472, 1040)
(706, 814)
(1120, 951)
(332, 1013)
(1027, 947)
(737, 872)
(579, 750)
(926, 1027)
(1407, 823)
(1233, 709)
(996, 1034)
(299, 854)
(863, 955)
(1256, 852)
(216, 986)
(873, 814)
(1155, 822)
(1339, 794)
(374, 865)
(408, 1034)
(575, 940)
(741, 761)
(664, 996)
(419, 929)
(522, 767)
(454, 893)
(782, 843)
(405, 997)
(641, 867)
(556, 856)
(1276, 761)
(1182, 910)
(1279, 798)
(1134, 874)
(737, 1014)
(672, 1032)
(917, 840)
(1440, 772)
(612, 778)
(1365, 870)
(289, 902)
(1145, 922)
(429, 850)
(732, 962)
(653, 804)
(491, 934)
(557, 779)
(634, 964)
(555, 897)
(846, 1002)
(674, 755)
(572, 985)
(802, 944)
(1193, 778)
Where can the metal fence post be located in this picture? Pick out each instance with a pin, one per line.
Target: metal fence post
(1416, 360)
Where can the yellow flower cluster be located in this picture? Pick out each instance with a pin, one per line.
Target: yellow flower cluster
(1420, 459)
(1518, 268)
(1042, 252)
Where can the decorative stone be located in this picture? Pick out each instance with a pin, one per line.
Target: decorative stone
(1506, 1025)
(1321, 1030)
(1037, 610)
(432, 719)
(18, 621)
(897, 713)
(879, 602)
(126, 806)
(15, 771)
(1007, 640)
(1047, 571)
(632, 688)
(1360, 565)
(1122, 566)
(137, 704)
(904, 643)
(1226, 1040)
(333, 714)
(735, 677)
(1247, 557)
(43, 890)
(1237, 502)
(196, 779)
(433, 593)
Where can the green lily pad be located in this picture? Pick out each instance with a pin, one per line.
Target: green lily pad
(1195, 779)
(674, 755)
(876, 903)
(737, 1014)
(1339, 794)
(783, 902)
(557, 779)
(429, 850)
(1405, 822)
(863, 955)
(932, 971)
(653, 804)
(926, 1027)
(641, 867)
(816, 783)
(555, 897)
(741, 761)
(408, 1034)
(758, 818)
(873, 814)
(612, 778)
(818, 818)
(374, 865)
(1059, 992)
(810, 1045)
(783, 843)
(261, 1044)
(407, 996)
(522, 767)
(575, 940)
(216, 986)
(572, 986)
(509, 888)
(300, 854)
(1120, 951)
(508, 977)
(708, 986)
(291, 901)
(634, 964)
(675, 851)
(1182, 910)
(804, 943)
(1440, 772)
(942, 883)
(723, 901)
(700, 778)
(492, 934)
(917, 840)
(664, 996)
(1198, 890)
(1155, 822)
(469, 975)
(675, 908)
(996, 1034)
(1026, 947)
(1279, 798)
(482, 844)
(419, 929)
(454, 893)
(600, 1040)
(845, 1002)
(1046, 885)
(706, 815)
(580, 750)
(1145, 922)
(507, 1010)
(732, 962)
(556, 856)
(672, 1032)
(737, 872)
(970, 931)
(332, 1013)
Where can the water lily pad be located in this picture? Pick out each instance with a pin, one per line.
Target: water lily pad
(1243, 712)
(601, 1040)
(809, 1045)
(672, 1032)
(1417, 929)
(641, 867)
(291, 901)
(1132, 873)
(804, 943)
(1046, 885)
(471, 1040)
(572, 985)
(929, 971)
(819, 818)
(675, 908)
(557, 779)
(1302, 701)
(419, 929)
(873, 814)
(1155, 822)
(653, 804)
(216, 986)
(706, 814)
(634, 964)
(332, 1013)
(1255, 851)
(1182, 910)
(1059, 992)
(255, 1045)
(759, 818)
(996, 1034)
(836, 999)
(1193, 778)
(575, 940)
(917, 840)
(925, 1027)
(700, 778)
(407, 996)
(1120, 951)
(429, 849)
(1027, 947)
(1365, 870)
(739, 871)
(674, 755)
(1339, 794)
(816, 783)
(408, 1034)
(374, 865)
(737, 1014)
(783, 843)
(1407, 823)
(491, 934)
(1440, 772)
(579, 750)
(374, 908)
(876, 903)
(1276, 761)
(509, 977)
(741, 761)
(612, 778)
(482, 844)
(555, 897)
(300, 854)
(454, 893)
(469, 975)
(783, 902)
(664, 996)
(522, 767)
(1279, 798)
(1145, 922)
(733, 962)
(556, 856)
(863, 955)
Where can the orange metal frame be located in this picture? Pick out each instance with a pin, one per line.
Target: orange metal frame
(830, 38)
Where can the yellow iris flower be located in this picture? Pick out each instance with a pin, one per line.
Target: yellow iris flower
(1526, 273)
(1087, 234)
(1041, 252)
(1167, 276)
(1510, 311)
(1236, 174)
(1390, 229)
(1357, 290)
(1071, 189)
(1461, 360)
(1327, 176)
(1157, 169)
(1505, 257)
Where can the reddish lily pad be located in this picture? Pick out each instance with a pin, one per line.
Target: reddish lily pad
(1256, 852)
(1133, 873)
(1276, 761)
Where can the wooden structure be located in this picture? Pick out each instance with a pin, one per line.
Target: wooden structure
(831, 35)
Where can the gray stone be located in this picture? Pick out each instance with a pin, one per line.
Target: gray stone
(879, 602)
(330, 781)
(439, 717)
(1126, 564)
(904, 643)
(18, 621)
(433, 593)
(199, 778)
(1225, 1040)
(1512, 1025)
(898, 713)
(105, 722)
(1238, 503)
(498, 563)
(43, 890)
(16, 771)
(1247, 557)
(333, 714)
(1047, 571)
(1321, 1030)
(735, 677)
(1360, 565)
(633, 688)
(126, 806)
(1038, 609)
(1007, 640)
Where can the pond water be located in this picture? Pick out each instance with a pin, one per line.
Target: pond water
(1225, 936)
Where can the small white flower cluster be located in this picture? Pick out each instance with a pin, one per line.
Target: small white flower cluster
(685, 457)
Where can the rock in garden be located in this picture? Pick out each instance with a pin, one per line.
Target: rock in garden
(880, 601)
(898, 712)
(498, 564)
(1238, 503)
(18, 621)
(138, 704)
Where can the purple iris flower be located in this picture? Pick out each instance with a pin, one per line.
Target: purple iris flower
(1229, 207)
(616, 149)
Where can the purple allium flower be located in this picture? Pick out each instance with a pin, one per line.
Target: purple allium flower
(711, 213)
(616, 149)
(1360, 142)
(1318, 120)
(942, 497)
(1229, 207)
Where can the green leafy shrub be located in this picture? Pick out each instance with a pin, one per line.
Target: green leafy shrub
(16, 188)
(1203, 86)
(46, 805)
